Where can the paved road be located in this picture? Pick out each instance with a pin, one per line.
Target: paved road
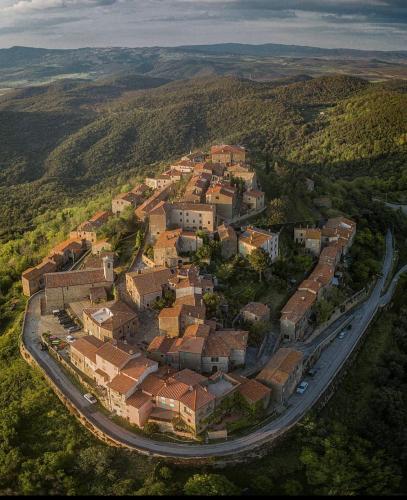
(328, 365)
(394, 206)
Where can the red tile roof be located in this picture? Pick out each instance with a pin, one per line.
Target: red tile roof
(75, 278)
(280, 366)
(122, 383)
(196, 398)
(254, 391)
(117, 355)
(138, 399)
(256, 308)
(87, 346)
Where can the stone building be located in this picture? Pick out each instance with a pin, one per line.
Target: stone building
(254, 199)
(228, 154)
(255, 311)
(282, 373)
(33, 279)
(126, 200)
(225, 199)
(146, 287)
(187, 216)
(71, 286)
(114, 320)
(253, 238)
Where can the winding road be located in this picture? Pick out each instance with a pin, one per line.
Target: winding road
(328, 366)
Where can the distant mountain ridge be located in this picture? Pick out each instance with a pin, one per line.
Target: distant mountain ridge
(277, 49)
(23, 66)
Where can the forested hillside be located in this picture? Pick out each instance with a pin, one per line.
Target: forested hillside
(60, 140)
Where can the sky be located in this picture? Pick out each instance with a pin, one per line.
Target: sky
(359, 24)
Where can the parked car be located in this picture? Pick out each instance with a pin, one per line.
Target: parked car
(70, 338)
(55, 312)
(349, 327)
(342, 335)
(302, 387)
(74, 328)
(90, 397)
(312, 372)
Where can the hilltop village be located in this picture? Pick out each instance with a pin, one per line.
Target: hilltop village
(146, 340)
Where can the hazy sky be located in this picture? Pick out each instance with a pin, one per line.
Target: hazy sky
(365, 24)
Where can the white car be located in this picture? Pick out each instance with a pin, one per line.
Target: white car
(90, 397)
(341, 335)
(302, 387)
(70, 338)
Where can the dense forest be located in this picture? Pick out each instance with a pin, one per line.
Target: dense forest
(67, 147)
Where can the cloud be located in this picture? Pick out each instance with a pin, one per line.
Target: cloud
(330, 23)
(24, 6)
(38, 25)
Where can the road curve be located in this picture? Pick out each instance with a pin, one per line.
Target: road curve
(329, 364)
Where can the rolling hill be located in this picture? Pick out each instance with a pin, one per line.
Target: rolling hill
(25, 66)
(63, 139)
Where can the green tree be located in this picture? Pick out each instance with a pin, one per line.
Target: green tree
(210, 485)
(212, 301)
(344, 464)
(259, 260)
(323, 310)
(277, 211)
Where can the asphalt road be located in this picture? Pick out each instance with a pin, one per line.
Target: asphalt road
(328, 365)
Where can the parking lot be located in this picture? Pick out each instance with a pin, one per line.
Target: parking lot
(59, 330)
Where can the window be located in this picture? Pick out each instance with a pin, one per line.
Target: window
(215, 359)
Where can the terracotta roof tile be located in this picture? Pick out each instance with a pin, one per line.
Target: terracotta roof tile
(280, 366)
(117, 355)
(74, 278)
(121, 383)
(172, 389)
(196, 398)
(255, 237)
(138, 399)
(256, 308)
(151, 281)
(115, 315)
(152, 384)
(189, 377)
(87, 346)
(254, 390)
(298, 305)
(137, 367)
